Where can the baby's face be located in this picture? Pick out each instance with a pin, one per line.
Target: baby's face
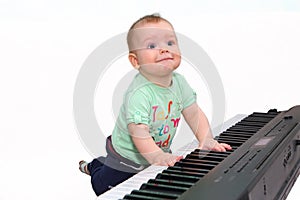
(156, 48)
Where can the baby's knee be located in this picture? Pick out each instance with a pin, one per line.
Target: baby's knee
(99, 185)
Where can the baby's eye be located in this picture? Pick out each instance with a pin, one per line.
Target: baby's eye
(151, 46)
(171, 43)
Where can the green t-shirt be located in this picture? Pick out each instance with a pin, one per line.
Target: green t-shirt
(158, 107)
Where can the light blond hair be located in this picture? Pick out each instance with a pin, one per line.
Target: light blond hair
(153, 18)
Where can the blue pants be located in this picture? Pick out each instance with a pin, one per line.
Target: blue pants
(107, 172)
(103, 177)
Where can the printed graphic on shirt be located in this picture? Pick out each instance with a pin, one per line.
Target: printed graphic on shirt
(165, 120)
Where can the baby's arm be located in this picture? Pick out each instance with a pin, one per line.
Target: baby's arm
(198, 122)
(146, 146)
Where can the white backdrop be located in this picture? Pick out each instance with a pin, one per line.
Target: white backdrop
(254, 45)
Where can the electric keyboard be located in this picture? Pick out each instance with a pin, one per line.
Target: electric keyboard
(263, 164)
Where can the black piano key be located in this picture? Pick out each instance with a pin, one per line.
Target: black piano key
(243, 133)
(163, 188)
(202, 151)
(206, 157)
(230, 139)
(252, 130)
(248, 129)
(233, 148)
(143, 197)
(230, 135)
(230, 142)
(167, 182)
(242, 140)
(185, 173)
(233, 134)
(211, 155)
(240, 133)
(252, 123)
(202, 160)
(215, 153)
(154, 194)
(223, 137)
(188, 169)
(255, 118)
(247, 125)
(234, 137)
(177, 177)
(194, 165)
(266, 115)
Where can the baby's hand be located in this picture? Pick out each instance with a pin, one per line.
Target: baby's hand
(166, 159)
(213, 145)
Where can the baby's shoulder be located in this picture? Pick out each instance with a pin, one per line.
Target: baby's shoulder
(179, 78)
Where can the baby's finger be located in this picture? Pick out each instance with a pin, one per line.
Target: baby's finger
(171, 162)
(178, 158)
(219, 148)
(226, 146)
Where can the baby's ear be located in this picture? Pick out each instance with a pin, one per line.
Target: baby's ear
(133, 60)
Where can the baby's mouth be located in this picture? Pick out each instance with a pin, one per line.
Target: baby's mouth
(164, 59)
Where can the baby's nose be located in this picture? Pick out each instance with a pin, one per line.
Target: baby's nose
(163, 50)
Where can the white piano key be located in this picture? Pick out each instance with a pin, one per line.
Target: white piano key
(132, 183)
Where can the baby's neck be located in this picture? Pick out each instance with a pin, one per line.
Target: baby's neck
(162, 81)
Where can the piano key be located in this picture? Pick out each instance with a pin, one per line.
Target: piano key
(185, 173)
(212, 154)
(248, 129)
(177, 177)
(249, 125)
(234, 134)
(148, 194)
(241, 133)
(201, 159)
(207, 157)
(230, 142)
(173, 182)
(164, 188)
(189, 169)
(202, 151)
(194, 165)
(252, 123)
(242, 139)
(257, 118)
(144, 197)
